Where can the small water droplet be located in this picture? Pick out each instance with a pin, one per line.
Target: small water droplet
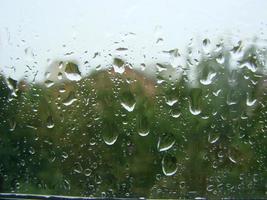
(50, 122)
(31, 150)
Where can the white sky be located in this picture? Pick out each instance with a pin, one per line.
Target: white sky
(43, 26)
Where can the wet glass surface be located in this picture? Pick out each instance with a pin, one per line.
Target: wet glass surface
(146, 99)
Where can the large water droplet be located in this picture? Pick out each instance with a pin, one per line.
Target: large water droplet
(77, 167)
(49, 83)
(195, 101)
(171, 102)
(165, 142)
(118, 65)
(128, 100)
(72, 72)
(143, 125)
(87, 172)
(70, 99)
(213, 137)
(128, 107)
(209, 78)
(110, 137)
(169, 165)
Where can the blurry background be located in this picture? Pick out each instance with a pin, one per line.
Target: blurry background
(161, 99)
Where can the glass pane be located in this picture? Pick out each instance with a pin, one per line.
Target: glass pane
(154, 99)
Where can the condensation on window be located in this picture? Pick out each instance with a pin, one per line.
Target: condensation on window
(124, 99)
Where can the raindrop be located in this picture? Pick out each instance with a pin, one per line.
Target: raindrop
(65, 155)
(118, 65)
(72, 72)
(50, 122)
(232, 160)
(12, 85)
(70, 99)
(127, 107)
(251, 102)
(206, 42)
(206, 45)
(209, 79)
(77, 167)
(171, 102)
(121, 49)
(143, 133)
(66, 185)
(13, 125)
(220, 59)
(143, 125)
(128, 101)
(169, 165)
(31, 150)
(165, 142)
(110, 136)
(87, 172)
(49, 83)
(195, 101)
(213, 137)
(59, 75)
(161, 67)
(210, 188)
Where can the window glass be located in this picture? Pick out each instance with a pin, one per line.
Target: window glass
(154, 99)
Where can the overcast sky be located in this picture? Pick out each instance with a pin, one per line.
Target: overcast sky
(35, 32)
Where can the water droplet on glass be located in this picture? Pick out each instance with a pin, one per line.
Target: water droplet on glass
(78, 167)
(171, 102)
(118, 65)
(72, 72)
(59, 75)
(87, 172)
(66, 185)
(169, 165)
(13, 125)
(110, 137)
(165, 142)
(128, 107)
(220, 59)
(70, 99)
(195, 101)
(122, 49)
(65, 155)
(50, 122)
(49, 83)
(143, 125)
(213, 137)
(209, 78)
